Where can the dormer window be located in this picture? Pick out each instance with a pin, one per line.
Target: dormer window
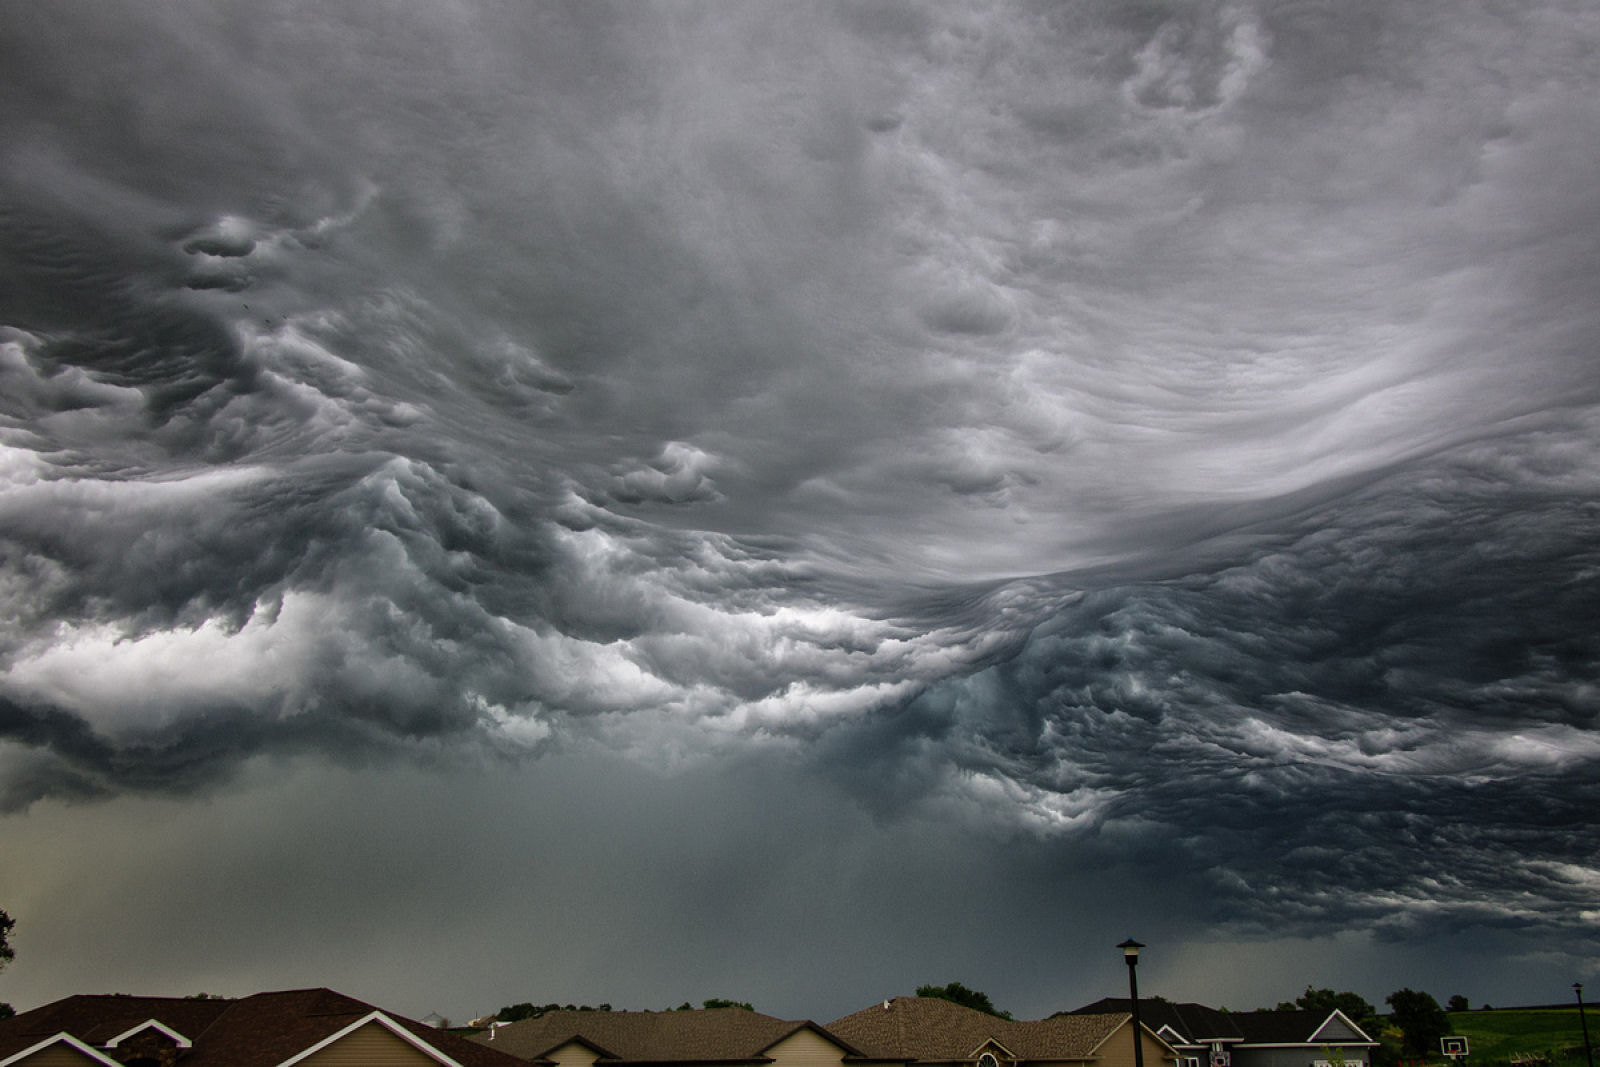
(988, 1060)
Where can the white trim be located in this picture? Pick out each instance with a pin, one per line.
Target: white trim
(1339, 1013)
(1166, 1028)
(371, 1017)
(64, 1038)
(1127, 1020)
(182, 1041)
(978, 1052)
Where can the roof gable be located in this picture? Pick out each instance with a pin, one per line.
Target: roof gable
(993, 1048)
(1337, 1028)
(578, 1041)
(809, 1027)
(374, 1018)
(151, 1024)
(62, 1038)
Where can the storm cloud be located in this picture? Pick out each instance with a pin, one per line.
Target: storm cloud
(1130, 439)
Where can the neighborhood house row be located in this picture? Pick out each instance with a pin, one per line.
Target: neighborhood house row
(322, 1028)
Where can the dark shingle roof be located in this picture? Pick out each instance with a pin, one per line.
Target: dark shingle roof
(939, 1031)
(94, 1020)
(256, 1031)
(701, 1036)
(1196, 1022)
(1201, 1024)
(1283, 1027)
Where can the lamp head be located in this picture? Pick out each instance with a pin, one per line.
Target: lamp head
(1130, 949)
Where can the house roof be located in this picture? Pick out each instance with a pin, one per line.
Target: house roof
(96, 1020)
(1199, 1024)
(939, 1031)
(1195, 1023)
(1298, 1028)
(264, 1030)
(704, 1035)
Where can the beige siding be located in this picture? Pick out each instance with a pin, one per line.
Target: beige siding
(59, 1054)
(372, 1045)
(806, 1048)
(573, 1054)
(1117, 1050)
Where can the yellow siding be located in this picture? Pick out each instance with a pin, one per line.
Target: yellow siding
(372, 1045)
(59, 1054)
(805, 1048)
(1117, 1050)
(573, 1054)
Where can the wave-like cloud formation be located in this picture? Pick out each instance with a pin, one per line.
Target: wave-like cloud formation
(1172, 429)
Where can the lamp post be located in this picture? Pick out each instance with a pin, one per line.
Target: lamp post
(1130, 952)
(1588, 1054)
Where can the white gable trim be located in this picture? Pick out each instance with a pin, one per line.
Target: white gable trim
(1127, 1020)
(991, 1043)
(1173, 1038)
(372, 1017)
(814, 1030)
(1342, 1017)
(65, 1039)
(182, 1041)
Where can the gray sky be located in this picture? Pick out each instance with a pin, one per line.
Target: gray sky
(644, 502)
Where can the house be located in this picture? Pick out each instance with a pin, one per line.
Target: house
(691, 1038)
(927, 1030)
(292, 1028)
(1207, 1037)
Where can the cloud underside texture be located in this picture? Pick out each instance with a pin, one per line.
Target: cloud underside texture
(1169, 430)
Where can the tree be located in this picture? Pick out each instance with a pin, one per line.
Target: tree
(7, 954)
(718, 1002)
(1420, 1019)
(1326, 1002)
(513, 1013)
(960, 994)
(1458, 1003)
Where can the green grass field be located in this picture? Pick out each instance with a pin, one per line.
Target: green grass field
(1497, 1037)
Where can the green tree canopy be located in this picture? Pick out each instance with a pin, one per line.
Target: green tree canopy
(718, 1002)
(1458, 1003)
(960, 994)
(512, 1013)
(7, 954)
(1326, 1002)
(1420, 1019)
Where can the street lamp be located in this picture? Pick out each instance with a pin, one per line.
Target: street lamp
(1130, 952)
(1588, 1054)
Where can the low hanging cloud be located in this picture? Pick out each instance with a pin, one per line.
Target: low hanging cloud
(1167, 432)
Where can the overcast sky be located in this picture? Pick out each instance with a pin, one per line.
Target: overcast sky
(795, 500)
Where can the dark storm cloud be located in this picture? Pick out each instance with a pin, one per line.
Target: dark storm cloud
(1385, 718)
(1161, 433)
